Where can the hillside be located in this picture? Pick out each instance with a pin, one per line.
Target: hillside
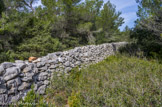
(80, 53)
(116, 81)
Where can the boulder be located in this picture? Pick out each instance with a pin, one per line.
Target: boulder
(11, 73)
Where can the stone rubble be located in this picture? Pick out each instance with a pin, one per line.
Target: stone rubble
(17, 78)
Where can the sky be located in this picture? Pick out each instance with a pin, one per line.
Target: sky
(127, 7)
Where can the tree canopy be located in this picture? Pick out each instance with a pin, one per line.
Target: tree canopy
(26, 30)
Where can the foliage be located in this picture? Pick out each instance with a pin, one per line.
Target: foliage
(116, 81)
(57, 25)
(148, 28)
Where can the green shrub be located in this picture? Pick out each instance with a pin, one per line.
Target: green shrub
(116, 81)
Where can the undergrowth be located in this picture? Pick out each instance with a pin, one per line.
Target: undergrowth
(117, 81)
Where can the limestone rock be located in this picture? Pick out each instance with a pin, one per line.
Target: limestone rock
(40, 64)
(3, 89)
(21, 65)
(46, 82)
(67, 64)
(6, 65)
(24, 85)
(42, 76)
(13, 90)
(14, 83)
(41, 89)
(43, 68)
(11, 73)
(53, 66)
(3, 98)
(28, 77)
(1, 70)
(27, 69)
(14, 99)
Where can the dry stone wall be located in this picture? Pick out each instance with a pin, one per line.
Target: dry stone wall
(16, 78)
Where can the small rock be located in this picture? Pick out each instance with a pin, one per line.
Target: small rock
(11, 73)
(60, 59)
(6, 65)
(21, 65)
(3, 89)
(27, 69)
(43, 68)
(1, 81)
(3, 98)
(46, 82)
(14, 99)
(52, 56)
(47, 65)
(1, 70)
(53, 66)
(41, 90)
(28, 77)
(13, 90)
(14, 83)
(35, 70)
(40, 64)
(24, 85)
(37, 60)
(68, 69)
(42, 76)
(78, 63)
(67, 64)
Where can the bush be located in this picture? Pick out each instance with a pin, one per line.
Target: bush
(116, 81)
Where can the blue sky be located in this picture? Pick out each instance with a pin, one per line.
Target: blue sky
(128, 9)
